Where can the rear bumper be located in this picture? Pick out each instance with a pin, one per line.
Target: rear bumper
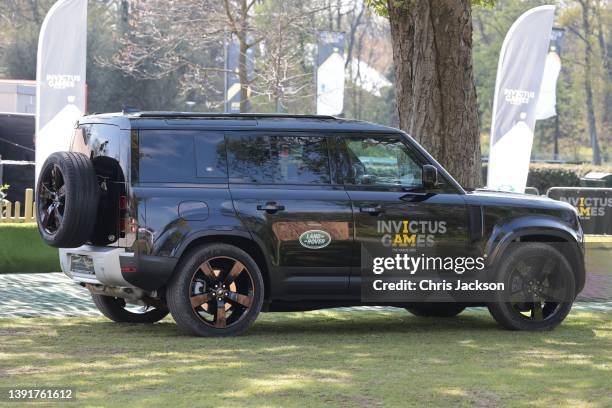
(106, 264)
(147, 271)
(115, 267)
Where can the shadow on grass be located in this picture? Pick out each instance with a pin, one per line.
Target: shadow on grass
(321, 358)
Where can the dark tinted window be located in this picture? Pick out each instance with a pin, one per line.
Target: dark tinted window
(278, 159)
(183, 156)
(381, 161)
(210, 154)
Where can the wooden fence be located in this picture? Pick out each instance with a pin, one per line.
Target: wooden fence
(15, 212)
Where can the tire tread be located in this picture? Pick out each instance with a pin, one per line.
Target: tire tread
(81, 202)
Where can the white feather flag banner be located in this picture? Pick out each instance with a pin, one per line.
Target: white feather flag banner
(60, 77)
(517, 89)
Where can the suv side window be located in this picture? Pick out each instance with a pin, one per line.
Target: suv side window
(210, 155)
(278, 159)
(181, 156)
(383, 161)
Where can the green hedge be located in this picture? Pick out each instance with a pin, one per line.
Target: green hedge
(23, 251)
(546, 175)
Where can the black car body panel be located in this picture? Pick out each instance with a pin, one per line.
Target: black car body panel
(184, 195)
(507, 217)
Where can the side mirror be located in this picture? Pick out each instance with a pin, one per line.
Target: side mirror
(430, 176)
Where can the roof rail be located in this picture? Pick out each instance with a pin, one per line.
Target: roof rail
(126, 109)
(226, 115)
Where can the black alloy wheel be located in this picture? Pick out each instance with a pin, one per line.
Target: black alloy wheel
(536, 289)
(52, 199)
(539, 288)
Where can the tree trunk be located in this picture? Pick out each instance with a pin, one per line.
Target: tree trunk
(242, 32)
(588, 74)
(604, 48)
(125, 16)
(240, 28)
(277, 66)
(36, 13)
(243, 77)
(351, 37)
(436, 95)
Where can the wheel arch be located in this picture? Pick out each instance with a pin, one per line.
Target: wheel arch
(548, 233)
(244, 242)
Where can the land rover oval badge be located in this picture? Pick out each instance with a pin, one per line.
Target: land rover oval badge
(315, 239)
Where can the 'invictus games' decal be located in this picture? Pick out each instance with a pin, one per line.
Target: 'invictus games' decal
(315, 239)
(409, 233)
(594, 206)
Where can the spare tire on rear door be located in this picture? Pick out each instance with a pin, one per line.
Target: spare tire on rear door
(67, 195)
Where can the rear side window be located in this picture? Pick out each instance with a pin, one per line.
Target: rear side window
(278, 159)
(181, 156)
(210, 155)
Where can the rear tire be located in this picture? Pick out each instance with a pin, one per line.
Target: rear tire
(217, 290)
(114, 309)
(67, 195)
(436, 309)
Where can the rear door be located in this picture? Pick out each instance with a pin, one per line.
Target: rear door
(108, 147)
(283, 190)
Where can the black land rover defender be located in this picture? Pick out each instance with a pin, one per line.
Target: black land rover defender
(216, 217)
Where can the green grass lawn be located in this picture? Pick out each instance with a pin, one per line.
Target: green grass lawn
(325, 358)
(598, 238)
(22, 250)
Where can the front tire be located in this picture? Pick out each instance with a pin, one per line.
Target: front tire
(217, 290)
(540, 288)
(115, 309)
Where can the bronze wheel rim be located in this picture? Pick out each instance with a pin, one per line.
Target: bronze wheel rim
(537, 288)
(221, 291)
(51, 199)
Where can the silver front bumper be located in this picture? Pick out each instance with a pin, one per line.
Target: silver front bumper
(105, 261)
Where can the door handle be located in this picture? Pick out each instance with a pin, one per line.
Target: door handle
(372, 210)
(271, 207)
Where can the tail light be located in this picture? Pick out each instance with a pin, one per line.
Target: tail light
(123, 203)
(124, 219)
